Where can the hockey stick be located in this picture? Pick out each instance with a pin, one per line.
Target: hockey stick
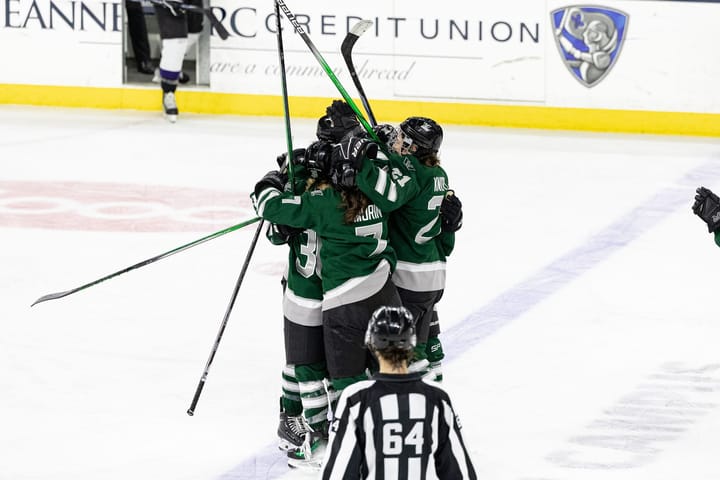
(286, 106)
(318, 56)
(346, 50)
(53, 296)
(172, 5)
(201, 384)
(289, 163)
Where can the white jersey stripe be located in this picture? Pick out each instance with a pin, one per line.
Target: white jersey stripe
(457, 447)
(392, 193)
(381, 182)
(370, 453)
(431, 474)
(266, 195)
(414, 467)
(417, 406)
(389, 407)
(347, 445)
(392, 468)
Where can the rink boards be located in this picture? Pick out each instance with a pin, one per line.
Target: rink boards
(522, 63)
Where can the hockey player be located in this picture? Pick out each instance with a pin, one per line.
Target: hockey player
(356, 259)
(355, 256)
(179, 31)
(707, 207)
(425, 210)
(304, 403)
(395, 425)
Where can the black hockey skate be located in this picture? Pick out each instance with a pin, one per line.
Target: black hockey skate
(291, 431)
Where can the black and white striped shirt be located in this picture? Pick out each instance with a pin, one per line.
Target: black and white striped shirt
(396, 427)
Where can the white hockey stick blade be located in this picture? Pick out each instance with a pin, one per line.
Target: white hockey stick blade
(361, 27)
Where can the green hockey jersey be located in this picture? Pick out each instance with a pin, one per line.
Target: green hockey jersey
(413, 192)
(302, 298)
(356, 259)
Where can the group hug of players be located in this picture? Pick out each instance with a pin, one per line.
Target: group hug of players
(367, 224)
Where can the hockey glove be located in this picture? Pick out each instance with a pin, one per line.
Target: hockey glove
(347, 158)
(707, 207)
(386, 133)
(451, 215)
(353, 151)
(298, 158)
(285, 232)
(338, 121)
(272, 179)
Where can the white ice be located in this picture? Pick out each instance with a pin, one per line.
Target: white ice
(580, 315)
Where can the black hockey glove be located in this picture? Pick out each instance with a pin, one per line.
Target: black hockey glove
(354, 151)
(298, 158)
(386, 133)
(347, 159)
(272, 179)
(286, 232)
(707, 207)
(451, 215)
(338, 121)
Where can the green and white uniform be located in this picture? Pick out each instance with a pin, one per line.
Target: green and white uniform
(414, 191)
(305, 370)
(356, 263)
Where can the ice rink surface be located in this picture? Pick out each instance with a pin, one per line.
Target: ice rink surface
(579, 319)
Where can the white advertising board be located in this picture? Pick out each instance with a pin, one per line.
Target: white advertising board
(67, 43)
(468, 51)
(668, 60)
(663, 56)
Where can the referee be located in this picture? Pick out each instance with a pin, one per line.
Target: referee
(396, 425)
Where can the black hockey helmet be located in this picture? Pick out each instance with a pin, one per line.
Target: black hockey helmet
(391, 327)
(339, 119)
(317, 159)
(423, 132)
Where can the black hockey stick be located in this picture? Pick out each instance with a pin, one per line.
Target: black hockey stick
(201, 384)
(53, 296)
(286, 105)
(289, 163)
(173, 5)
(346, 50)
(318, 56)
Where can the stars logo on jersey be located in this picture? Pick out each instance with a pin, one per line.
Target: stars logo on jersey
(589, 40)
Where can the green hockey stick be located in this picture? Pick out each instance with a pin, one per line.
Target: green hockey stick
(318, 56)
(53, 296)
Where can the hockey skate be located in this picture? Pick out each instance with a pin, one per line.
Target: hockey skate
(291, 431)
(310, 455)
(170, 106)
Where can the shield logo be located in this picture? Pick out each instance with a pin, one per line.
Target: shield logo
(589, 39)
